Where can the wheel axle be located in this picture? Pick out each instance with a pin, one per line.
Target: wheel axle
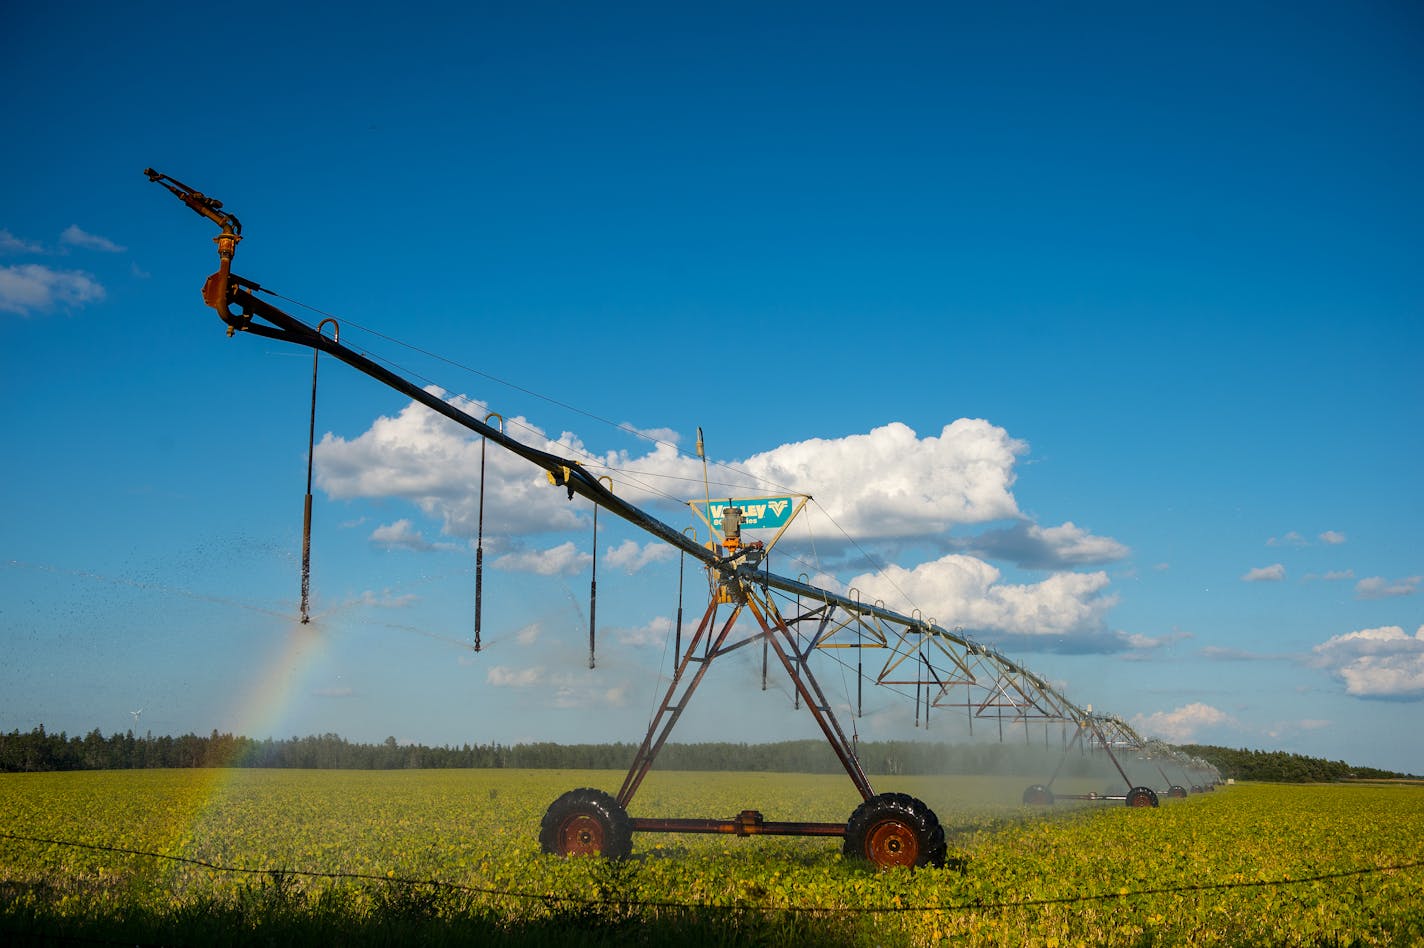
(888, 830)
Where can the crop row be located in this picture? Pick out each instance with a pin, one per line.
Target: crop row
(1249, 864)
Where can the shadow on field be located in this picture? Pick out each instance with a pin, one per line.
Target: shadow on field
(723, 927)
(275, 914)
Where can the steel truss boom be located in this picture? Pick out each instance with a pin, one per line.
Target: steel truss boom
(918, 653)
(921, 654)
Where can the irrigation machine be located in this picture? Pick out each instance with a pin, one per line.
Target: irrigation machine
(792, 620)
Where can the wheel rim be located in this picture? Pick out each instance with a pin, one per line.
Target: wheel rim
(892, 843)
(581, 835)
(1140, 799)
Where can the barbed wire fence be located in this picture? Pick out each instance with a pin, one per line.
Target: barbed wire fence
(661, 904)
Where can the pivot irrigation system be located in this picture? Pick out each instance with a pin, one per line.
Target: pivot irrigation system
(790, 618)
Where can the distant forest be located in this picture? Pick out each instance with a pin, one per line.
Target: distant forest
(1280, 767)
(39, 750)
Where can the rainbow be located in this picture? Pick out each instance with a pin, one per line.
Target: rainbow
(282, 677)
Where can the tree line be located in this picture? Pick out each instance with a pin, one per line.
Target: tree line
(40, 750)
(1280, 767)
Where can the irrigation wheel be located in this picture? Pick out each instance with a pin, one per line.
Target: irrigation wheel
(1177, 792)
(1038, 795)
(586, 822)
(895, 829)
(1141, 796)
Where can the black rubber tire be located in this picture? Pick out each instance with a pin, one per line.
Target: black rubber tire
(1038, 795)
(895, 829)
(586, 822)
(1141, 796)
(1177, 792)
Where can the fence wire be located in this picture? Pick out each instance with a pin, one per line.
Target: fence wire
(627, 904)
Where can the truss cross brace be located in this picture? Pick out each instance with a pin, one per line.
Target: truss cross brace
(772, 629)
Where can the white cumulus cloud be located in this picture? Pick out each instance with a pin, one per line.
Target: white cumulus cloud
(962, 591)
(1182, 725)
(654, 633)
(29, 288)
(1384, 662)
(434, 463)
(886, 483)
(1035, 547)
(403, 535)
(630, 557)
(562, 560)
(1377, 587)
(385, 599)
(75, 237)
(1265, 574)
(1147, 643)
(9, 243)
(890, 482)
(502, 676)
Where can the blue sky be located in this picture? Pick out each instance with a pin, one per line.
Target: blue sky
(1097, 327)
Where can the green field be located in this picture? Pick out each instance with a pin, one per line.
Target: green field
(451, 857)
